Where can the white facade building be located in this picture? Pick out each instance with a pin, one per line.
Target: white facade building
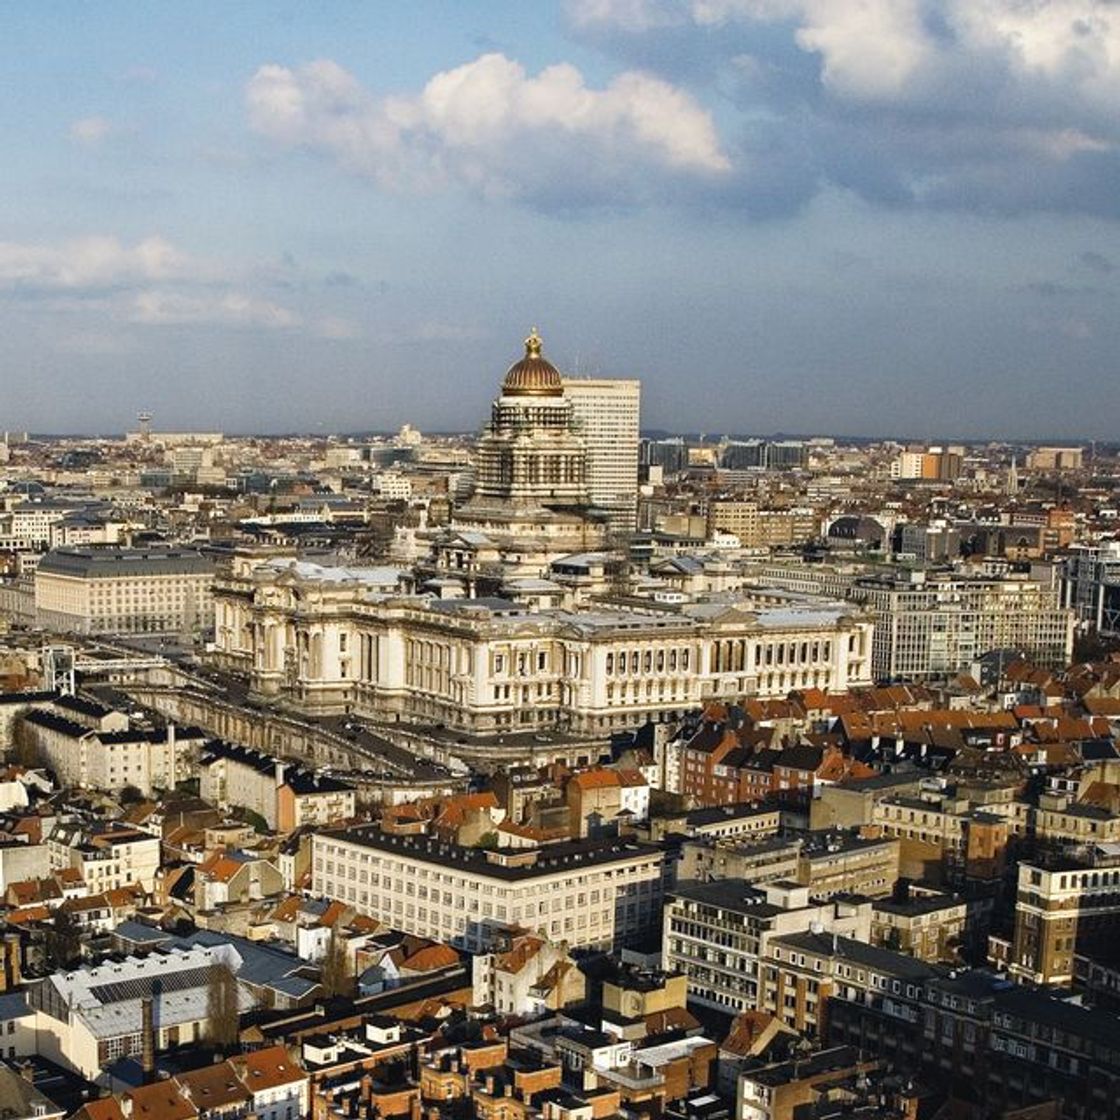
(587, 894)
(336, 644)
(606, 414)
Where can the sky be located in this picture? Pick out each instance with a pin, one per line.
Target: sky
(841, 217)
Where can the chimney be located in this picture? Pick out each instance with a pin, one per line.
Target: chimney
(126, 1107)
(147, 1039)
(279, 773)
(171, 733)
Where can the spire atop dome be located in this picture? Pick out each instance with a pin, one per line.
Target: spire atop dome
(534, 375)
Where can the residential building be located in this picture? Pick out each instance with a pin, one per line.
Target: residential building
(716, 934)
(112, 755)
(1063, 908)
(284, 794)
(526, 975)
(926, 924)
(801, 972)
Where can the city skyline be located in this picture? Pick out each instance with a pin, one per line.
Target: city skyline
(792, 216)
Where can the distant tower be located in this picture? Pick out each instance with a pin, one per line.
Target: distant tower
(1013, 477)
(145, 419)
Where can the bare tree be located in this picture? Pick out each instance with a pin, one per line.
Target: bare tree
(222, 1012)
(63, 941)
(25, 744)
(337, 978)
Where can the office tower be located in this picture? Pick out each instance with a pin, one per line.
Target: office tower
(606, 415)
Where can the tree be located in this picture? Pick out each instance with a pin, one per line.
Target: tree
(336, 976)
(25, 745)
(64, 940)
(130, 795)
(222, 1011)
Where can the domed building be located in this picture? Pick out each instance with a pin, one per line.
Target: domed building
(531, 502)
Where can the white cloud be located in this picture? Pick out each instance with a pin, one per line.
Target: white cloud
(436, 330)
(626, 15)
(493, 127)
(337, 329)
(150, 282)
(879, 48)
(90, 131)
(160, 308)
(882, 49)
(91, 262)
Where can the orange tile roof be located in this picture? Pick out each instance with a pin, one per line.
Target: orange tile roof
(631, 778)
(595, 779)
(332, 914)
(523, 951)
(288, 909)
(268, 1069)
(431, 958)
(220, 867)
(162, 1100)
(109, 1108)
(27, 915)
(214, 1086)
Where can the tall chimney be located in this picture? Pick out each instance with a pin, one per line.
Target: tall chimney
(147, 1039)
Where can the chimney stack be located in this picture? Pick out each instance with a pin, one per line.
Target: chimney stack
(147, 1039)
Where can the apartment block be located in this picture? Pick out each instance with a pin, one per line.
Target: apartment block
(717, 933)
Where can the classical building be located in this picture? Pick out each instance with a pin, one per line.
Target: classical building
(532, 497)
(335, 640)
(586, 894)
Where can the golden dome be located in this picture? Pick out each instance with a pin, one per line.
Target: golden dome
(533, 376)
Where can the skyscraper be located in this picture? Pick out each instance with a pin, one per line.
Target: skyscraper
(606, 415)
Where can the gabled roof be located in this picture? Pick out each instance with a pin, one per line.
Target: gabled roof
(268, 1069)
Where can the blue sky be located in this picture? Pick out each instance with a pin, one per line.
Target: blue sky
(834, 216)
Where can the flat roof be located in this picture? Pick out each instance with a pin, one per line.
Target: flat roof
(552, 859)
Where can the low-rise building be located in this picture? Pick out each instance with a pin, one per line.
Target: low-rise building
(284, 794)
